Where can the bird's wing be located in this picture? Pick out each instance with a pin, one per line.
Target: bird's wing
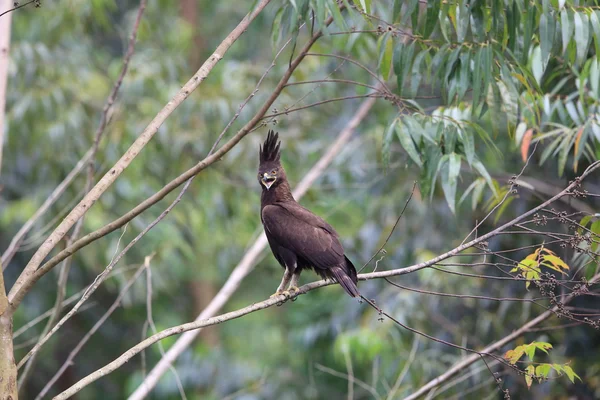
(309, 236)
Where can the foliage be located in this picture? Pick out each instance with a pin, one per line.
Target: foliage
(530, 266)
(540, 371)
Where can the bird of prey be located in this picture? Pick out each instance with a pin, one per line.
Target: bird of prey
(298, 238)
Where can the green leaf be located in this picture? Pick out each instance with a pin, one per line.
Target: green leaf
(570, 373)
(320, 14)
(462, 21)
(529, 23)
(469, 145)
(547, 30)
(595, 228)
(584, 221)
(431, 17)
(366, 6)
(463, 77)
(450, 182)
(386, 49)
(595, 23)
(477, 69)
(417, 72)
(387, 144)
(543, 370)
(566, 27)
(483, 172)
(407, 143)
(337, 16)
(403, 57)
(529, 373)
(582, 32)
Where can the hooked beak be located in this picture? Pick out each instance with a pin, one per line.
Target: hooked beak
(267, 180)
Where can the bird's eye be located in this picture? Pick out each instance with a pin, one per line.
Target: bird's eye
(273, 172)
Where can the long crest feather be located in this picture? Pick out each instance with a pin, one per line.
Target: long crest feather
(269, 151)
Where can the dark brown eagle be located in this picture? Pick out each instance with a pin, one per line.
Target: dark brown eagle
(298, 238)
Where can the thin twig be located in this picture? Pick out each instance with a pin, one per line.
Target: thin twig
(393, 227)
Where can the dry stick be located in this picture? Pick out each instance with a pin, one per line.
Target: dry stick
(66, 264)
(209, 160)
(16, 241)
(91, 332)
(248, 261)
(27, 279)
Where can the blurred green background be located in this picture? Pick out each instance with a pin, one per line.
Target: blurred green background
(65, 58)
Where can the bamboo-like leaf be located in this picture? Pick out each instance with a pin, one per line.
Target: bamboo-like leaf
(547, 30)
(320, 14)
(525, 144)
(477, 76)
(386, 49)
(387, 144)
(407, 143)
(582, 32)
(529, 23)
(417, 72)
(431, 17)
(403, 56)
(337, 16)
(595, 23)
(469, 145)
(462, 21)
(567, 27)
(483, 172)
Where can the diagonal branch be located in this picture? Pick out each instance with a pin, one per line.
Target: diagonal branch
(26, 279)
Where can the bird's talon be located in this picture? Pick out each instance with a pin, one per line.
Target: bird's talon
(276, 294)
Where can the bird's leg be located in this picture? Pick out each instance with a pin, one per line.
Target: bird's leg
(287, 275)
(294, 283)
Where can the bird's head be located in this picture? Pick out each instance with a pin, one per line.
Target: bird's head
(270, 171)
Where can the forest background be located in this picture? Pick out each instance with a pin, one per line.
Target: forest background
(452, 144)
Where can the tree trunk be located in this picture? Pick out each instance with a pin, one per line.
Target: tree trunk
(8, 369)
(4, 44)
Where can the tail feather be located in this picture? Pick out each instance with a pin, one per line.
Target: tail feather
(346, 276)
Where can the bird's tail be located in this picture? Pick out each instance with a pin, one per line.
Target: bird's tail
(345, 275)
